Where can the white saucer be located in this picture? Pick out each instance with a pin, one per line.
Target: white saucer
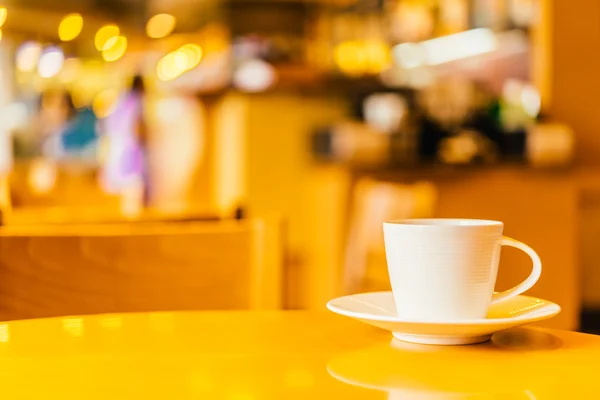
(378, 309)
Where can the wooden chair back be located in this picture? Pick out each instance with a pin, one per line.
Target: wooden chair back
(62, 270)
(373, 203)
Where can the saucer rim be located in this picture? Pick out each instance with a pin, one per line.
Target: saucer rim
(555, 310)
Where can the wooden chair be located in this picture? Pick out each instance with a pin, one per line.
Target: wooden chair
(374, 202)
(100, 216)
(85, 269)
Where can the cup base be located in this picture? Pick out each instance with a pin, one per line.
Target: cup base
(441, 340)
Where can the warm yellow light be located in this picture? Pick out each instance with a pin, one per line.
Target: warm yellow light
(70, 27)
(176, 63)
(104, 34)
(160, 25)
(168, 67)
(362, 57)
(114, 48)
(180, 60)
(110, 43)
(104, 103)
(377, 56)
(193, 53)
(0, 34)
(3, 15)
(349, 57)
(161, 71)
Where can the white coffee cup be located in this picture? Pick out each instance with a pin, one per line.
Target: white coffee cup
(446, 269)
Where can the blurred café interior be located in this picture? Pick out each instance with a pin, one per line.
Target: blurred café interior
(223, 154)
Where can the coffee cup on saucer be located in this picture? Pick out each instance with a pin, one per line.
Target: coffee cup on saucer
(442, 273)
(446, 269)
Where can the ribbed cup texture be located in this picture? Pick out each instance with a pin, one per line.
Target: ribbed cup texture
(442, 273)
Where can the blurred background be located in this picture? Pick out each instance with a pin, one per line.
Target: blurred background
(335, 114)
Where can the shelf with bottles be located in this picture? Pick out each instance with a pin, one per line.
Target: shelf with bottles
(455, 122)
(369, 38)
(335, 45)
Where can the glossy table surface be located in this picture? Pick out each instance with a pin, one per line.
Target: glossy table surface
(281, 355)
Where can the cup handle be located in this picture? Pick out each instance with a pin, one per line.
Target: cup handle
(531, 279)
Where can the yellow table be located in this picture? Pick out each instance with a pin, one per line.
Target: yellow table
(281, 355)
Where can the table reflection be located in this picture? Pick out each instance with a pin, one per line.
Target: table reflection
(516, 364)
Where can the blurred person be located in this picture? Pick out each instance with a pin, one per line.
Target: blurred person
(125, 166)
(79, 138)
(57, 110)
(41, 136)
(175, 160)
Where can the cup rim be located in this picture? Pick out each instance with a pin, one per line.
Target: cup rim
(443, 223)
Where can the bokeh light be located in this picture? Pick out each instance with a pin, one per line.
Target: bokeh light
(409, 55)
(51, 62)
(167, 68)
(179, 61)
(254, 76)
(356, 58)
(160, 25)
(104, 34)
(377, 56)
(193, 53)
(70, 27)
(531, 101)
(42, 176)
(114, 48)
(28, 56)
(385, 111)
(460, 45)
(349, 57)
